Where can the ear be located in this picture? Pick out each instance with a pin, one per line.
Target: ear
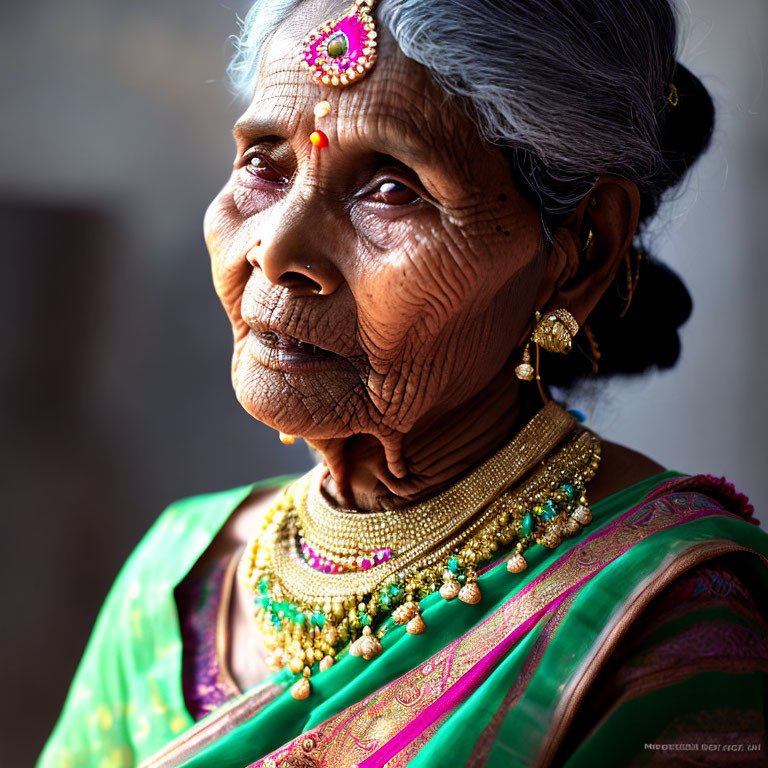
(579, 271)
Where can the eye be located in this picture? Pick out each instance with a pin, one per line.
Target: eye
(257, 165)
(391, 192)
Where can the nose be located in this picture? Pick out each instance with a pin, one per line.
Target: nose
(294, 258)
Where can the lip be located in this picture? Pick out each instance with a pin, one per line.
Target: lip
(282, 352)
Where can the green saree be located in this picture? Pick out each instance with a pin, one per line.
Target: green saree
(508, 681)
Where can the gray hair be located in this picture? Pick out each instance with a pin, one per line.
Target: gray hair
(572, 89)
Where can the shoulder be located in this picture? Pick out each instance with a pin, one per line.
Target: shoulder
(694, 662)
(708, 617)
(620, 467)
(193, 522)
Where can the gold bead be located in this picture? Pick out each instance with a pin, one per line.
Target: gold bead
(326, 663)
(550, 539)
(404, 613)
(370, 647)
(416, 625)
(296, 664)
(470, 593)
(301, 688)
(517, 563)
(287, 439)
(582, 515)
(450, 589)
(572, 527)
(525, 371)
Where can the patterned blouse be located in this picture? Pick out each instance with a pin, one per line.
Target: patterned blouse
(203, 603)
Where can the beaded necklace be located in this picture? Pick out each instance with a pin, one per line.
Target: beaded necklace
(325, 577)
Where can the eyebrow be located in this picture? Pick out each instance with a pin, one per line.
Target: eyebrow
(411, 147)
(260, 125)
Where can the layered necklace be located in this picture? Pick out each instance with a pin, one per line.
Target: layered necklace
(325, 578)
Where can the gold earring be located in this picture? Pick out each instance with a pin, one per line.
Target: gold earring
(632, 280)
(524, 371)
(595, 349)
(553, 332)
(287, 439)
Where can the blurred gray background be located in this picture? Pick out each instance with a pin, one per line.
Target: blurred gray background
(114, 384)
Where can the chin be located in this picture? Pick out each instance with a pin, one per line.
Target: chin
(301, 404)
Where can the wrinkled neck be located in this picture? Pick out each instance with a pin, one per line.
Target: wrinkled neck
(439, 450)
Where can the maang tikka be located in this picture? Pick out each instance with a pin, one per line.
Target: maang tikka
(340, 52)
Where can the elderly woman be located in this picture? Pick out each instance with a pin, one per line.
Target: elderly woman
(434, 216)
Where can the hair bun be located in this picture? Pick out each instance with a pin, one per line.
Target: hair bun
(688, 124)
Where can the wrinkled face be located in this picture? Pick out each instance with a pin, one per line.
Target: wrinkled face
(401, 251)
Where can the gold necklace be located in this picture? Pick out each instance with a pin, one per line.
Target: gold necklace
(322, 575)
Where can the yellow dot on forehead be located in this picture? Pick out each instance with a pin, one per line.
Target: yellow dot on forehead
(322, 109)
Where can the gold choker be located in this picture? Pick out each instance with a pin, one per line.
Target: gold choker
(323, 577)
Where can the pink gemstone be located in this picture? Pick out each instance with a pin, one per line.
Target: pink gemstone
(313, 562)
(357, 38)
(366, 563)
(381, 555)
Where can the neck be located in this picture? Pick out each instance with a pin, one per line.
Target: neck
(436, 452)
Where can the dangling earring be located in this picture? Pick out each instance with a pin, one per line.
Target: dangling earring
(286, 439)
(595, 349)
(554, 333)
(632, 280)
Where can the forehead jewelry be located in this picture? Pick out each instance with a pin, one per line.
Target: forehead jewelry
(339, 52)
